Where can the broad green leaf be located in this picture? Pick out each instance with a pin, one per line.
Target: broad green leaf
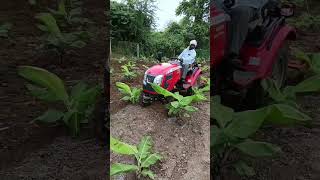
(78, 44)
(185, 101)
(50, 116)
(311, 84)
(175, 104)
(42, 93)
(119, 168)
(162, 91)
(62, 7)
(78, 89)
(246, 123)
(190, 109)
(148, 173)
(122, 148)
(243, 169)
(150, 160)
(216, 136)
(144, 147)
(50, 22)
(274, 92)
(222, 114)
(126, 98)
(46, 79)
(258, 149)
(282, 114)
(124, 88)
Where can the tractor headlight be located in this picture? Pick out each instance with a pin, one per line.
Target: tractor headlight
(145, 78)
(158, 79)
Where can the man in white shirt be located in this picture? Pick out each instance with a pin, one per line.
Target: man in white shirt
(188, 56)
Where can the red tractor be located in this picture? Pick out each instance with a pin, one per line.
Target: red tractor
(263, 55)
(168, 76)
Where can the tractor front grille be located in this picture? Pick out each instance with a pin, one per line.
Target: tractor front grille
(149, 79)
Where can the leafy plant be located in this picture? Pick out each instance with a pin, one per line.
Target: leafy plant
(78, 104)
(131, 65)
(4, 30)
(143, 155)
(312, 60)
(231, 132)
(182, 105)
(131, 95)
(306, 21)
(32, 2)
(58, 41)
(127, 73)
(289, 93)
(69, 12)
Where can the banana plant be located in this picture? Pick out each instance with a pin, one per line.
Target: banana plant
(289, 93)
(182, 104)
(59, 41)
(131, 95)
(4, 30)
(311, 59)
(143, 155)
(78, 104)
(69, 14)
(127, 73)
(232, 132)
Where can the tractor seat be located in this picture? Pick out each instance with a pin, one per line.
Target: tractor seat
(259, 27)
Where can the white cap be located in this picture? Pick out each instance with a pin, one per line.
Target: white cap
(194, 42)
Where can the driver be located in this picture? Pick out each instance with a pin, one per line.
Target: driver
(241, 12)
(188, 56)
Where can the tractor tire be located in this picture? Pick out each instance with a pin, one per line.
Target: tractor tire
(143, 102)
(256, 96)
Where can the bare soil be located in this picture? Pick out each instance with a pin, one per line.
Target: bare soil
(33, 151)
(184, 144)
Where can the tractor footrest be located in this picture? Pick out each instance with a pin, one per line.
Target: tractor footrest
(243, 76)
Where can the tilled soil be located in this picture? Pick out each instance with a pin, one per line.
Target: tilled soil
(34, 151)
(184, 143)
(185, 148)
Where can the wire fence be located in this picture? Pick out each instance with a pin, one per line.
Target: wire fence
(132, 49)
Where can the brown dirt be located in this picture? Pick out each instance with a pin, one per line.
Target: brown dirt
(185, 148)
(26, 147)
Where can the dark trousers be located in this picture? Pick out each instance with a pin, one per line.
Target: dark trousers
(185, 69)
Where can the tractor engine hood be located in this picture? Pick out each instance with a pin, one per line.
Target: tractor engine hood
(162, 69)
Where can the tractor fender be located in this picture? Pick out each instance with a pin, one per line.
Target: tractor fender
(284, 34)
(195, 77)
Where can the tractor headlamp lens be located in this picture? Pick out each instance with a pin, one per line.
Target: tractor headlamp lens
(158, 79)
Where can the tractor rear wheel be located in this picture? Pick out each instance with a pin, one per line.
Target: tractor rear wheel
(257, 96)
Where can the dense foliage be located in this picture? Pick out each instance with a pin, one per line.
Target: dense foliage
(134, 22)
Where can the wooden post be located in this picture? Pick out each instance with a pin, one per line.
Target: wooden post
(138, 53)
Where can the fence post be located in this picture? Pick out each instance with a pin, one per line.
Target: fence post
(138, 53)
(110, 51)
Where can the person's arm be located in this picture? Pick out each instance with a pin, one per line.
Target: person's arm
(193, 56)
(180, 56)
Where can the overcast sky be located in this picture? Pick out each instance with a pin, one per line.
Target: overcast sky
(165, 13)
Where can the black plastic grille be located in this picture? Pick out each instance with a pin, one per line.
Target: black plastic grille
(147, 86)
